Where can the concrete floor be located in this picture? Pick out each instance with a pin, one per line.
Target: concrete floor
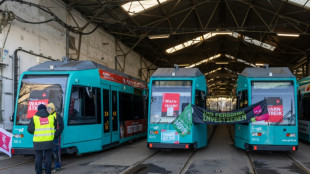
(220, 156)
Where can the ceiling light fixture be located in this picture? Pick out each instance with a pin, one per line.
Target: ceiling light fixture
(222, 32)
(288, 35)
(221, 63)
(259, 64)
(159, 36)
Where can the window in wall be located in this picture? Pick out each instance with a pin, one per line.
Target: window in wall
(84, 106)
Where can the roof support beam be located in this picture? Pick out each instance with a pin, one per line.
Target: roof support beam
(232, 14)
(272, 12)
(197, 15)
(176, 13)
(245, 17)
(261, 18)
(266, 31)
(164, 12)
(184, 18)
(211, 17)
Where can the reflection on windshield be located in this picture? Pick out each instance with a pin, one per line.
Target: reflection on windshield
(168, 100)
(280, 102)
(36, 90)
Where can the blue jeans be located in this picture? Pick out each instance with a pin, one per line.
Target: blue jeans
(56, 153)
(47, 160)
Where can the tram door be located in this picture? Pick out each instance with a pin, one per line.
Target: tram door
(110, 115)
(107, 135)
(115, 118)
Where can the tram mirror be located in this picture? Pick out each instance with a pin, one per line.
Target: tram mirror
(12, 118)
(184, 105)
(90, 92)
(145, 97)
(203, 96)
(300, 96)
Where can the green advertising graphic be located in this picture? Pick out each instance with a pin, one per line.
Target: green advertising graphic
(183, 123)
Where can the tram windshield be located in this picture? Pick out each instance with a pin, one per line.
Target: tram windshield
(280, 101)
(168, 100)
(38, 89)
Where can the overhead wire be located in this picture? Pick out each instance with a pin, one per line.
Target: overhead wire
(55, 18)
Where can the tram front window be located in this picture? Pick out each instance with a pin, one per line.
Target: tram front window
(168, 100)
(39, 89)
(280, 101)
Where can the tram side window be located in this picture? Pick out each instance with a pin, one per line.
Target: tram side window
(200, 98)
(305, 109)
(131, 107)
(242, 99)
(84, 106)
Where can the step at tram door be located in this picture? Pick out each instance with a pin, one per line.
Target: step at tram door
(110, 115)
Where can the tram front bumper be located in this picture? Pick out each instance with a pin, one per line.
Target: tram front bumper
(171, 146)
(253, 147)
(22, 151)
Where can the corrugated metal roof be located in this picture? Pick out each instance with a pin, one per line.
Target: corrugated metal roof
(181, 72)
(272, 72)
(77, 66)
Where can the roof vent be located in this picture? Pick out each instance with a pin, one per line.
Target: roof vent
(66, 59)
(268, 70)
(176, 66)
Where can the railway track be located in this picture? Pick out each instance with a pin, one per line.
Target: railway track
(15, 165)
(144, 166)
(279, 162)
(297, 163)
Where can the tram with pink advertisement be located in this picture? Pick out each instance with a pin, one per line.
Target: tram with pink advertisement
(101, 107)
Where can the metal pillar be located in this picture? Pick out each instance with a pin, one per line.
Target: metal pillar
(308, 62)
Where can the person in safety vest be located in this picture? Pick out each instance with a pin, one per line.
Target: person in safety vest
(60, 126)
(42, 125)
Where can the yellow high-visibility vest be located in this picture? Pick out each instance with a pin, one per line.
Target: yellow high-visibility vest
(54, 114)
(44, 128)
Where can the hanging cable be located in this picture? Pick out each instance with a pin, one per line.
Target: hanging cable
(55, 18)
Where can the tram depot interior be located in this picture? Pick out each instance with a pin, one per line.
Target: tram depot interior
(219, 37)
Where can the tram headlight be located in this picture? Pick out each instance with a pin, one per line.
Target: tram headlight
(256, 134)
(290, 135)
(18, 135)
(153, 132)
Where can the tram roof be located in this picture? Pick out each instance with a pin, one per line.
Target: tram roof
(181, 72)
(264, 72)
(77, 66)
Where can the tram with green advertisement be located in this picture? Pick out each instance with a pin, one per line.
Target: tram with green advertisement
(304, 109)
(278, 131)
(171, 90)
(101, 107)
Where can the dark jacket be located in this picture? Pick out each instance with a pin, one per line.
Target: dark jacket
(41, 145)
(60, 126)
